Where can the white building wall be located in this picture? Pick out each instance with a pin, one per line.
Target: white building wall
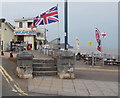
(25, 26)
(7, 35)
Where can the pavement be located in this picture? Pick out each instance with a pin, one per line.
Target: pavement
(72, 87)
(7, 54)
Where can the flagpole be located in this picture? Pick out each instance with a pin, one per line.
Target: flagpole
(66, 26)
(58, 25)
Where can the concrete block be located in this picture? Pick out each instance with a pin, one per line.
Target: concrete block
(22, 73)
(44, 87)
(24, 62)
(80, 88)
(83, 94)
(62, 93)
(56, 88)
(30, 85)
(95, 93)
(42, 91)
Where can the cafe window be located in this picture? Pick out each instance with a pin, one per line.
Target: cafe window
(20, 25)
(40, 35)
(29, 23)
(20, 38)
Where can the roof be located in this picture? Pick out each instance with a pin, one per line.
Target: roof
(62, 45)
(23, 19)
(10, 25)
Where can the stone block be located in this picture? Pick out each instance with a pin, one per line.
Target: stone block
(26, 55)
(82, 93)
(65, 64)
(44, 91)
(24, 62)
(22, 73)
(56, 88)
(63, 93)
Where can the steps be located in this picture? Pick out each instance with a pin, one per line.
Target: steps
(44, 67)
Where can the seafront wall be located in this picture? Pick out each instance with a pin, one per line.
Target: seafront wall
(111, 52)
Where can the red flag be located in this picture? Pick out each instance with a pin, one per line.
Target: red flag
(32, 26)
(103, 35)
(99, 48)
(97, 33)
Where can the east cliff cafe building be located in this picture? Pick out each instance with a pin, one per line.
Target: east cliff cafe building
(23, 32)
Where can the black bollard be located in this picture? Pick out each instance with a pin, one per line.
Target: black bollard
(2, 53)
(11, 55)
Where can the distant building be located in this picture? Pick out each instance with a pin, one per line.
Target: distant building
(62, 46)
(24, 33)
(6, 34)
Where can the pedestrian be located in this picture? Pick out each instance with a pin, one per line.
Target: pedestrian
(78, 56)
(35, 45)
(40, 44)
(11, 44)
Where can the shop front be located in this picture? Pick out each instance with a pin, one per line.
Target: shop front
(26, 37)
(24, 34)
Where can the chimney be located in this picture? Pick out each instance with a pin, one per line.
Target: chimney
(2, 20)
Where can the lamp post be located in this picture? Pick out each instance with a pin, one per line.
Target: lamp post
(45, 35)
(66, 26)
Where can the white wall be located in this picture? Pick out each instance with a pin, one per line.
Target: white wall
(24, 26)
(7, 36)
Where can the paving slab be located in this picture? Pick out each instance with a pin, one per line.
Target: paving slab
(76, 87)
(43, 91)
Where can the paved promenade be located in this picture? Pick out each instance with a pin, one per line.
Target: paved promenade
(7, 54)
(75, 87)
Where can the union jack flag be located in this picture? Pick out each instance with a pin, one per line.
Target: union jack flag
(47, 17)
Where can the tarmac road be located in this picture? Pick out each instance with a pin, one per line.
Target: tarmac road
(101, 73)
(10, 67)
(97, 75)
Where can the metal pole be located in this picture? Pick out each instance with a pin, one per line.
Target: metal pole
(45, 36)
(2, 45)
(66, 26)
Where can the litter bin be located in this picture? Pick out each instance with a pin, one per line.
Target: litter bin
(24, 64)
(65, 64)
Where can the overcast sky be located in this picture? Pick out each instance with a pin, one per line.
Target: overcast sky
(83, 18)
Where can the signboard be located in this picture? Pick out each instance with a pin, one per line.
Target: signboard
(25, 32)
(90, 43)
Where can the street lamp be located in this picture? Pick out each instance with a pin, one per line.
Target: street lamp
(45, 36)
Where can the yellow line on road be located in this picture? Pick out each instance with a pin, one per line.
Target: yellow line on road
(96, 69)
(19, 90)
(8, 81)
(5, 74)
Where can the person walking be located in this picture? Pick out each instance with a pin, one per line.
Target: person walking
(35, 45)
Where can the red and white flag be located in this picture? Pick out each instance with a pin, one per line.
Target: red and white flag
(103, 35)
(97, 34)
(77, 43)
